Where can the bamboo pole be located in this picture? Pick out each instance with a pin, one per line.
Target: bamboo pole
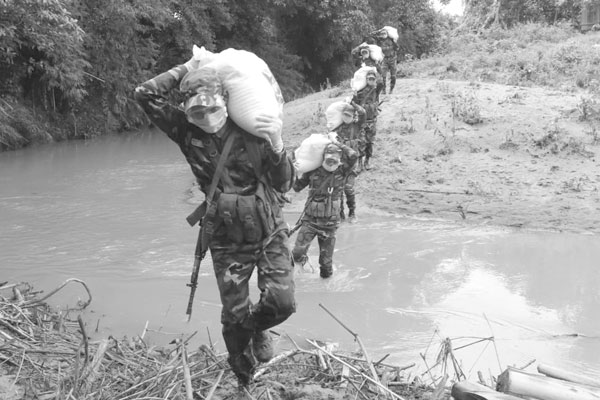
(516, 382)
(360, 343)
(466, 390)
(558, 373)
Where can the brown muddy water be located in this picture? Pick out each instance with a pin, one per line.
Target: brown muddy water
(111, 212)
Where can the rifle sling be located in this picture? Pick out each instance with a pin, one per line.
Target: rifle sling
(201, 210)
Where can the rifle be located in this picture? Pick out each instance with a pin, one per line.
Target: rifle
(207, 210)
(204, 234)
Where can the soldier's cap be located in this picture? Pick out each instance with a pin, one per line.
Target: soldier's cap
(203, 81)
(364, 51)
(332, 149)
(382, 33)
(371, 74)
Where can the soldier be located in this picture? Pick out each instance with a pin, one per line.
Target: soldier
(368, 98)
(361, 55)
(321, 216)
(243, 178)
(351, 133)
(389, 48)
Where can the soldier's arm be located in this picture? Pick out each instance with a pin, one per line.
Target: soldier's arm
(152, 96)
(349, 156)
(360, 111)
(281, 169)
(302, 182)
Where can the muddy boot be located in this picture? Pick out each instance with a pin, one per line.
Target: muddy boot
(242, 366)
(262, 346)
(325, 272)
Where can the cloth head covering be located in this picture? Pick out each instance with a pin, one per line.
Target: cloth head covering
(202, 81)
(332, 149)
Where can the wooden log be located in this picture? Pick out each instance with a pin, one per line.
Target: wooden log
(466, 390)
(558, 373)
(516, 382)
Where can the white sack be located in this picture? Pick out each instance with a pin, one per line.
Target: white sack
(392, 32)
(309, 155)
(359, 81)
(251, 86)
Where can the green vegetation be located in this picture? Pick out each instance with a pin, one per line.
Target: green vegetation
(69, 66)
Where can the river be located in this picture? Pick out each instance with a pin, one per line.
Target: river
(111, 212)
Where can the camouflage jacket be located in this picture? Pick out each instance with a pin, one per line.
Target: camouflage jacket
(254, 176)
(326, 188)
(368, 98)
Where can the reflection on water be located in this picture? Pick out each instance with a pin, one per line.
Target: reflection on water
(111, 212)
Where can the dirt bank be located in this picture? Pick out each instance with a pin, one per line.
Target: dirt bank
(475, 153)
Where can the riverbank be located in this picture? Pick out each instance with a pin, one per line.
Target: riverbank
(47, 354)
(475, 153)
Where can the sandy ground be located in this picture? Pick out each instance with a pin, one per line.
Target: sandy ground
(507, 155)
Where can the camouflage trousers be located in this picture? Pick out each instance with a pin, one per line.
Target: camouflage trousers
(349, 191)
(325, 234)
(370, 129)
(389, 64)
(233, 266)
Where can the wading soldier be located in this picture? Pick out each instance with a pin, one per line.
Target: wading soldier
(351, 133)
(243, 177)
(321, 216)
(368, 98)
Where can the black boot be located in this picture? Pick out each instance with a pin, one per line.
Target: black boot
(352, 216)
(326, 272)
(366, 165)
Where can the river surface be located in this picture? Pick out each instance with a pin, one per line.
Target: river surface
(111, 212)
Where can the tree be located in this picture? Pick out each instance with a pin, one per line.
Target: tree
(322, 33)
(42, 55)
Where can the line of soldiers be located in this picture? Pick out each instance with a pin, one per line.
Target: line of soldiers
(244, 173)
(346, 157)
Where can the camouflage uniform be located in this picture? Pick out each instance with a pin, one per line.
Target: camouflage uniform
(368, 97)
(352, 135)
(322, 210)
(249, 230)
(390, 59)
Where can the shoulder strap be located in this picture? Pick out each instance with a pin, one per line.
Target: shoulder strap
(252, 147)
(219, 168)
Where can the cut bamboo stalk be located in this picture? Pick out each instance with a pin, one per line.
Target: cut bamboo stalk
(189, 392)
(516, 382)
(367, 377)
(360, 343)
(466, 390)
(558, 373)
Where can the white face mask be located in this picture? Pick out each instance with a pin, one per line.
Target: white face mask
(210, 123)
(329, 165)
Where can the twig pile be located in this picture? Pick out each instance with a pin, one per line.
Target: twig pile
(45, 355)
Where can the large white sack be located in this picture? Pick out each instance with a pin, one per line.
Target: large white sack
(392, 32)
(375, 53)
(359, 81)
(333, 113)
(202, 55)
(309, 155)
(251, 86)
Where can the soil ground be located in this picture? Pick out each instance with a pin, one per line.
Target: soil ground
(473, 152)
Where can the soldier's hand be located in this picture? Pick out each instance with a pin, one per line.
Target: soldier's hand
(270, 128)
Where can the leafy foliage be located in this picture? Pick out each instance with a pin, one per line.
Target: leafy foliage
(42, 47)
